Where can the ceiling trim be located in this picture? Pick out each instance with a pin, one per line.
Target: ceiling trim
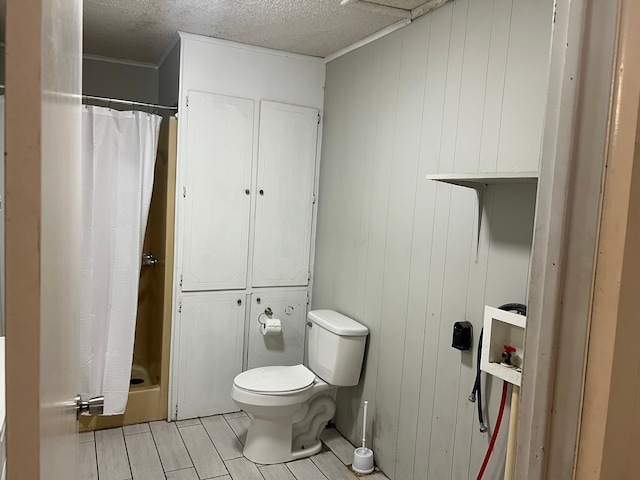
(133, 63)
(371, 38)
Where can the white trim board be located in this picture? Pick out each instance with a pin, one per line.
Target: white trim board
(366, 40)
(132, 63)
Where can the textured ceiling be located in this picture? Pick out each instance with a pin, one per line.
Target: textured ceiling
(141, 29)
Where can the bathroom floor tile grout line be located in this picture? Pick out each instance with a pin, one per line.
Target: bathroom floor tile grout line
(126, 449)
(234, 432)
(155, 443)
(316, 464)
(212, 443)
(193, 464)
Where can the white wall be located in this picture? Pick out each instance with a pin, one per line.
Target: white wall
(169, 77)
(109, 78)
(460, 90)
(113, 78)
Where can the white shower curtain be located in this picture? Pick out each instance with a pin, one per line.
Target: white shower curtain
(118, 155)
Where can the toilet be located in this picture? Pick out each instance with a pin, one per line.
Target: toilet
(289, 406)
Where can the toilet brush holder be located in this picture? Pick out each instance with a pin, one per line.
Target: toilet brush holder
(362, 460)
(363, 456)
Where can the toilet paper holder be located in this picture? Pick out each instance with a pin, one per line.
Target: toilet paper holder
(268, 312)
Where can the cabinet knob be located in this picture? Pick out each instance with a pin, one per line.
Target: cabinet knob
(239, 302)
(261, 192)
(247, 191)
(258, 301)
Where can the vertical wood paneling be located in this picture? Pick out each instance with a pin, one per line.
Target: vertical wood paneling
(399, 253)
(331, 281)
(384, 93)
(455, 59)
(365, 96)
(420, 253)
(494, 90)
(400, 223)
(351, 404)
(511, 230)
(380, 208)
(432, 210)
(466, 419)
(524, 87)
(473, 85)
(453, 301)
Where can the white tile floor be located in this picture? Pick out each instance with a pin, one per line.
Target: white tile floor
(199, 449)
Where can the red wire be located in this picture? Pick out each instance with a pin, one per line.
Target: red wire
(503, 401)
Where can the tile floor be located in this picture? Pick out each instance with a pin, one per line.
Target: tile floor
(198, 449)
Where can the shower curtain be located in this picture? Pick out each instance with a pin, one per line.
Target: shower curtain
(118, 158)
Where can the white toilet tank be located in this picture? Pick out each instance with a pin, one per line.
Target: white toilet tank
(336, 347)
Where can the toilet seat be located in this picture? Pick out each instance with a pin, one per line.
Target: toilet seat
(278, 380)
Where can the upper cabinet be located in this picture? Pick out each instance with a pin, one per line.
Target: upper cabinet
(217, 190)
(284, 205)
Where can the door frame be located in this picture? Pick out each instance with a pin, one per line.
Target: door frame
(573, 165)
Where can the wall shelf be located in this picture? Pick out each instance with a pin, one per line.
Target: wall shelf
(477, 180)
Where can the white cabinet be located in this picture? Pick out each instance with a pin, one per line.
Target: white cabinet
(222, 203)
(217, 192)
(210, 352)
(218, 163)
(284, 205)
(286, 348)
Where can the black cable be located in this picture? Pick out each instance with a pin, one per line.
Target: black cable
(476, 394)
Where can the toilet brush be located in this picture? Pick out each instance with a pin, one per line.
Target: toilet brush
(363, 456)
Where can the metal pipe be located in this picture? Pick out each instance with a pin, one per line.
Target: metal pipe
(122, 102)
(128, 102)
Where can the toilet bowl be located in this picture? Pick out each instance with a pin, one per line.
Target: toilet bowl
(289, 406)
(287, 416)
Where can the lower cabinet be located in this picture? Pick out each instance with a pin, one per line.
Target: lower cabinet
(211, 344)
(210, 352)
(286, 347)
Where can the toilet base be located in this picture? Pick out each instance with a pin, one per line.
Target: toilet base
(269, 442)
(277, 440)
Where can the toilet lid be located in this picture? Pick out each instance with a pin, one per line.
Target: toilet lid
(275, 379)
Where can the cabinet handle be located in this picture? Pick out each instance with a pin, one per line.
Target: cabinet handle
(239, 302)
(258, 301)
(261, 192)
(247, 191)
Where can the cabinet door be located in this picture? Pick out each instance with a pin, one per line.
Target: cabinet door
(210, 356)
(286, 348)
(284, 205)
(217, 194)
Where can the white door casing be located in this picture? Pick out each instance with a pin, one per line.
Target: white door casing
(287, 348)
(217, 192)
(210, 353)
(284, 204)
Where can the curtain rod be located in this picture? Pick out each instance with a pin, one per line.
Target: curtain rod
(128, 102)
(123, 102)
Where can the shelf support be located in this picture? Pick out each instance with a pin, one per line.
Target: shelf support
(479, 189)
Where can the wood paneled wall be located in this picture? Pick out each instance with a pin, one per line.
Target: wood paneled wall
(460, 90)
